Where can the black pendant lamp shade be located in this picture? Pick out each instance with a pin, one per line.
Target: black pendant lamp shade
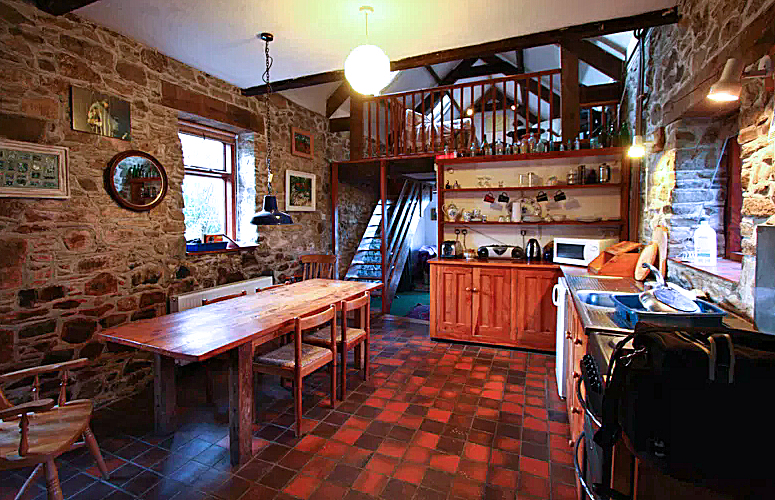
(270, 215)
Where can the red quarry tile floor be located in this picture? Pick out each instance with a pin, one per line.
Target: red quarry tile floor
(435, 421)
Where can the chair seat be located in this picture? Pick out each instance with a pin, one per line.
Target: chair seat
(50, 433)
(285, 356)
(324, 336)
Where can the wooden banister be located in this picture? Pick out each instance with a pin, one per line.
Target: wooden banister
(396, 134)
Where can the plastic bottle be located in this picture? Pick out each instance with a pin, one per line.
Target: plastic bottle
(705, 245)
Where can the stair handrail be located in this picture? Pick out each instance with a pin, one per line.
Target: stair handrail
(397, 245)
(399, 201)
(402, 218)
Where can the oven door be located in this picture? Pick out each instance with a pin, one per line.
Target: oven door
(588, 456)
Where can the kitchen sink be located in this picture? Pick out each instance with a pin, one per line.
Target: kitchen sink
(596, 298)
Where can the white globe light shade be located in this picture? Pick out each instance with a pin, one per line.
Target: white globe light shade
(367, 69)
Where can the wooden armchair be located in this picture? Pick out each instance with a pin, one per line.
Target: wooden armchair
(45, 429)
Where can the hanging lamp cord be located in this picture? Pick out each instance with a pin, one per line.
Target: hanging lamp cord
(265, 77)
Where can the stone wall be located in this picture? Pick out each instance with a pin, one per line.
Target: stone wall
(678, 184)
(69, 268)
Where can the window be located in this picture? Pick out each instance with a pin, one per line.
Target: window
(209, 181)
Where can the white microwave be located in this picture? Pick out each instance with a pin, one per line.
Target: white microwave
(580, 251)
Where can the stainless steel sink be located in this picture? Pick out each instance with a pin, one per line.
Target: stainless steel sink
(596, 298)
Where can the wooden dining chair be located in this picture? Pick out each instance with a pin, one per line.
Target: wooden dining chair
(348, 338)
(225, 297)
(297, 360)
(318, 266)
(45, 428)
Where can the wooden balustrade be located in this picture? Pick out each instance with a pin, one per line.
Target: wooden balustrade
(454, 117)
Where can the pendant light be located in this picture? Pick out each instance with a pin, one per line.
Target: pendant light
(367, 68)
(729, 86)
(270, 215)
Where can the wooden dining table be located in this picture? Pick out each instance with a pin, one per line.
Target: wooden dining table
(235, 327)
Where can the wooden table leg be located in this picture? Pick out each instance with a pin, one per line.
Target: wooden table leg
(164, 394)
(241, 404)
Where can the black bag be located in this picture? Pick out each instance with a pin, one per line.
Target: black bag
(695, 404)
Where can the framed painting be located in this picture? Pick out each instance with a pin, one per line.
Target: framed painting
(302, 143)
(100, 114)
(300, 192)
(29, 170)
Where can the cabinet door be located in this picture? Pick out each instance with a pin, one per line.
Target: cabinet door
(536, 315)
(453, 301)
(492, 304)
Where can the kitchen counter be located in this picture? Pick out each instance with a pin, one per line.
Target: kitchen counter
(601, 319)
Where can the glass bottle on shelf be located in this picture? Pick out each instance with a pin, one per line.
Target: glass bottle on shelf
(624, 134)
(531, 144)
(498, 147)
(576, 144)
(523, 145)
(485, 146)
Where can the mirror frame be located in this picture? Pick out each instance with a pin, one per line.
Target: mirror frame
(111, 188)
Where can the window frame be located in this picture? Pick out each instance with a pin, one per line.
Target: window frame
(734, 202)
(229, 175)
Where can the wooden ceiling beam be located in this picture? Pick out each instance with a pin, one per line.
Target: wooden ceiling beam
(577, 32)
(60, 7)
(600, 59)
(336, 99)
(489, 69)
(471, 53)
(600, 93)
(297, 83)
(339, 124)
(433, 74)
(454, 74)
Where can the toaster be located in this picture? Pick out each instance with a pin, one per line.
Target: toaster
(451, 249)
(500, 252)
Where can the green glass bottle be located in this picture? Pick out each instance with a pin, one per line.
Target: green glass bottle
(624, 134)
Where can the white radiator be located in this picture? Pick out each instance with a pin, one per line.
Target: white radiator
(194, 299)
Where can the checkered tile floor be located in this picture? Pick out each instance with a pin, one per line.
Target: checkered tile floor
(435, 421)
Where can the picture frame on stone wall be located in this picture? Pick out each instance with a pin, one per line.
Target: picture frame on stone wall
(100, 114)
(302, 143)
(29, 170)
(300, 191)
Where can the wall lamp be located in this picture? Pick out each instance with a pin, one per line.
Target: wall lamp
(729, 86)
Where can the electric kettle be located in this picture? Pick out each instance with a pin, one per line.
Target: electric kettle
(533, 250)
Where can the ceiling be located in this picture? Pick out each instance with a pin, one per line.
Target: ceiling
(219, 36)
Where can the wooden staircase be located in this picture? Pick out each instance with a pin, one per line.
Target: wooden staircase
(381, 259)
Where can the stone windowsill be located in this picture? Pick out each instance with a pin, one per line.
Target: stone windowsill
(225, 250)
(724, 269)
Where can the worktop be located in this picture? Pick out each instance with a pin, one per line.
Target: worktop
(601, 319)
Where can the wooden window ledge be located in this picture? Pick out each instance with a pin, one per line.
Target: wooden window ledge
(724, 269)
(225, 250)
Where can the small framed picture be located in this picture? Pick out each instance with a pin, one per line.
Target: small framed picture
(302, 143)
(29, 170)
(100, 114)
(300, 192)
(434, 214)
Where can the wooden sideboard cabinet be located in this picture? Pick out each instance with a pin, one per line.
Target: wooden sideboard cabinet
(502, 303)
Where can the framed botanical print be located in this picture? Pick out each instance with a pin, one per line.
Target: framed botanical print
(300, 192)
(29, 170)
(302, 143)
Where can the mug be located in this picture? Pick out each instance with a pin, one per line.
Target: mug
(489, 198)
(542, 196)
(503, 197)
(560, 196)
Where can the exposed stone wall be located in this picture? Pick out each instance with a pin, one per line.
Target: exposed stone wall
(679, 184)
(70, 268)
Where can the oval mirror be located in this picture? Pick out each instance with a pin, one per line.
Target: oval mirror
(136, 180)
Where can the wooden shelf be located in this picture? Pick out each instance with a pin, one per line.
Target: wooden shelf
(533, 188)
(581, 153)
(560, 223)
